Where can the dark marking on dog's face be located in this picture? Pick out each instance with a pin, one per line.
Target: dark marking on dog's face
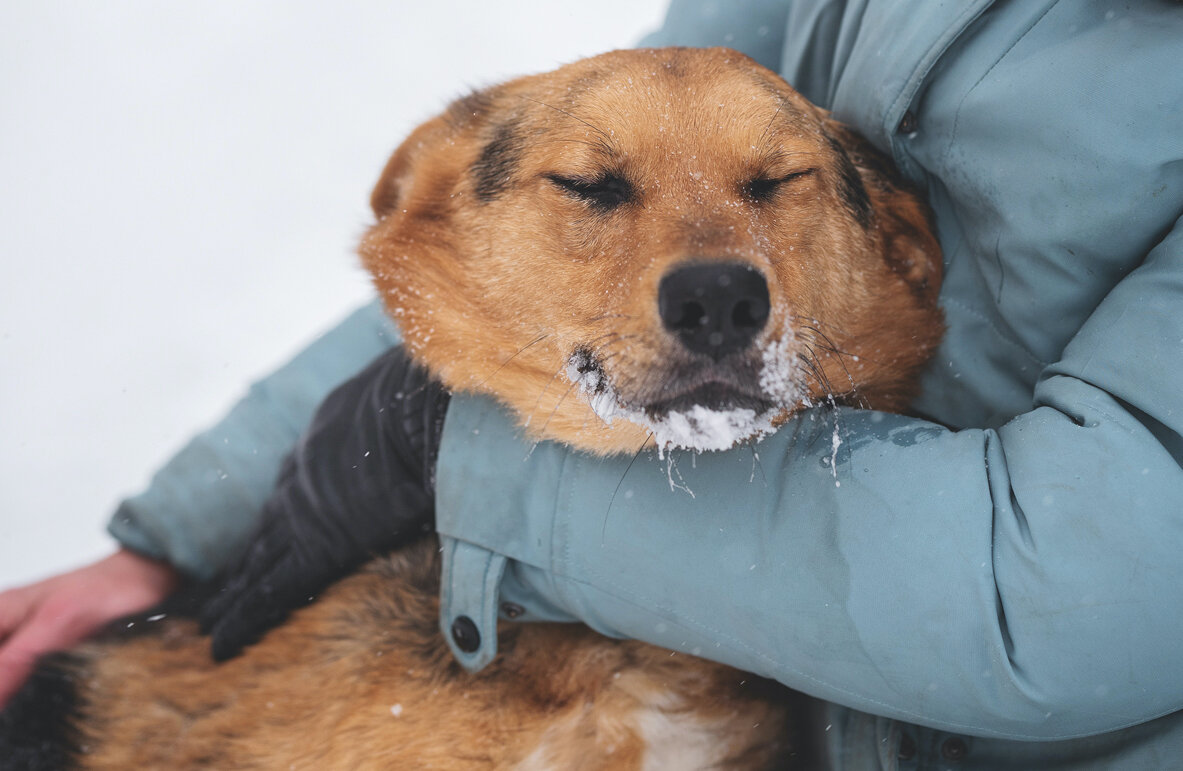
(537, 236)
(851, 189)
(473, 106)
(494, 168)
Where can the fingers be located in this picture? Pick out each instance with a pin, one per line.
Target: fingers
(15, 607)
(61, 611)
(52, 626)
(16, 662)
(15, 667)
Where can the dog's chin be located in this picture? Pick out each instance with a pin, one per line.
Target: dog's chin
(704, 429)
(707, 413)
(709, 417)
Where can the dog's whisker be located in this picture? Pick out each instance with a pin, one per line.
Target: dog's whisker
(604, 316)
(772, 120)
(607, 138)
(812, 369)
(560, 371)
(613, 337)
(832, 394)
(533, 342)
(645, 388)
(821, 337)
(637, 454)
(817, 324)
(558, 404)
(563, 141)
(841, 357)
(826, 383)
(756, 464)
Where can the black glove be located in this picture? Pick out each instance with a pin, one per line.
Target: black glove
(360, 482)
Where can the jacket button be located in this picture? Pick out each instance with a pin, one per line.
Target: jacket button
(908, 123)
(954, 749)
(465, 634)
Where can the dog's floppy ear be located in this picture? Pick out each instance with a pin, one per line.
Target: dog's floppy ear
(395, 182)
(463, 118)
(879, 197)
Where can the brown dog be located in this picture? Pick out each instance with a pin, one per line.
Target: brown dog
(667, 246)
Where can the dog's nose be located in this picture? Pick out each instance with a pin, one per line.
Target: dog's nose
(714, 308)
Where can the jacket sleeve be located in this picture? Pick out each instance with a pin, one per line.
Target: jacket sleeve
(202, 504)
(801, 41)
(754, 27)
(1023, 582)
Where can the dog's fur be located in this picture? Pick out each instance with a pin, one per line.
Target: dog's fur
(521, 241)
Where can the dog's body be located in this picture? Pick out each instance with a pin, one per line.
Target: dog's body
(667, 247)
(362, 679)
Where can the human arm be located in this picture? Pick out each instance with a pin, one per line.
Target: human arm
(1019, 582)
(201, 506)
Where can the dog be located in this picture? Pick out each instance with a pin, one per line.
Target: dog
(665, 248)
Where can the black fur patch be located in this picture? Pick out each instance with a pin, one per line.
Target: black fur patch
(471, 107)
(495, 166)
(850, 185)
(37, 728)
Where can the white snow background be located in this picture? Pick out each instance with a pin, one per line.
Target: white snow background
(181, 188)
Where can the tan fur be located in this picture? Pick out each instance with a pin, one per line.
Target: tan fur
(362, 679)
(496, 276)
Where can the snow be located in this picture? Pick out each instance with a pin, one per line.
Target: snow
(183, 185)
(835, 445)
(708, 430)
(699, 428)
(782, 378)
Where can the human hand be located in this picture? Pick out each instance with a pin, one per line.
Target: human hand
(358, 484)
(58, 612)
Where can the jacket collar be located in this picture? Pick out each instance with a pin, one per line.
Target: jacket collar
(885, 50)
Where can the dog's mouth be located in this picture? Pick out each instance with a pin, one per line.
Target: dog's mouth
(696, 409)
(713, 395)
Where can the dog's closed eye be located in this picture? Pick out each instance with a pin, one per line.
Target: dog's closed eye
(605, 192)
(763, 188)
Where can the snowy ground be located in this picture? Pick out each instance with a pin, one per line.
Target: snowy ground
(180, 189)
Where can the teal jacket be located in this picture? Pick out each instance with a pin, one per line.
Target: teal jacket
(999, 579)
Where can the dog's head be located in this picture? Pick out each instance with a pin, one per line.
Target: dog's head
(669, 242)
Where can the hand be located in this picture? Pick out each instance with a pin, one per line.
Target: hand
(358, 484)
(60, 611)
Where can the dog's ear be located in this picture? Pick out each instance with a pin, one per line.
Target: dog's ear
(879, 197)
(439, 143)
(395, 182)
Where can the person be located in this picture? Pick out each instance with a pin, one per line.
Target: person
(994, 584)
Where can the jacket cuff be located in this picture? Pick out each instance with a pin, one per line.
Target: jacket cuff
(125, 527)
(202, 505)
